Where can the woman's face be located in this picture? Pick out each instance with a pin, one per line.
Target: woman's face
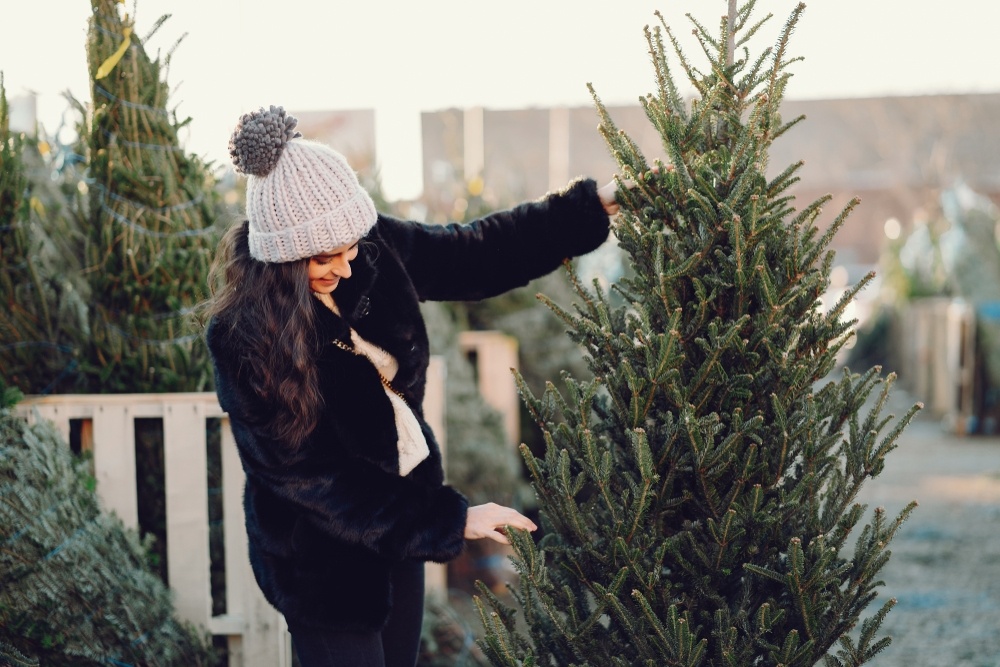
(326, 270)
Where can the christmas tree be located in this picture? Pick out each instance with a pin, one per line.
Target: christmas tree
(698, 495)
(75, 586)
(100, 291)
(153, 213)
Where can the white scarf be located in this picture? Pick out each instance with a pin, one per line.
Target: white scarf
(411, 444)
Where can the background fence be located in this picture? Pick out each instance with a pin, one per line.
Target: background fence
(936, 348)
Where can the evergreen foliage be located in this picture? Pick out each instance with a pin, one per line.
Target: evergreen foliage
(75, 587)
(12, 179)
(152, 214)
(13, 184)
(44, 292)
(11, 657)
(698, 495)
(105, 244)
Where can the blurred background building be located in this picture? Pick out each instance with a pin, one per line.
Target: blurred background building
(351, 132)
(897, 153)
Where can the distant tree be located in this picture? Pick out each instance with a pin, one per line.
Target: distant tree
(152, 228)
(101, 274)
(43, 293)
(698, 494)
(12, 179)
(479, 462)
(13, 236)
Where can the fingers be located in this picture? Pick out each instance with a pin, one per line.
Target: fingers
(505, 516)
(489, 520)
(607, 193)
(523, 523)
(497, 536)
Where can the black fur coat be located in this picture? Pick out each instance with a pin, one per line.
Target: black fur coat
(327, 524)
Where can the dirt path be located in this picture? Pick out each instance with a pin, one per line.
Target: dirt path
(945, 565)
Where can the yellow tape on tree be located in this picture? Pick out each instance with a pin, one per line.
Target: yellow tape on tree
(109, 64)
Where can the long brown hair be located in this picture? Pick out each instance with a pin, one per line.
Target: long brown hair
(265, 312)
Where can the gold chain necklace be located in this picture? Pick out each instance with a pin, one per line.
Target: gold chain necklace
(385, 381)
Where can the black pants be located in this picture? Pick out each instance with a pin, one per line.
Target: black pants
(395, 646)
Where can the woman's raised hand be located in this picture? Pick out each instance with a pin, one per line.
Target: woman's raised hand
(609, 191)
(487, 520)
(607, 194)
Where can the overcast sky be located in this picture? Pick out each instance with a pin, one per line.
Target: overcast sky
(402, 57)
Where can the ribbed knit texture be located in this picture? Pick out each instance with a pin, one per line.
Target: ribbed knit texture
(309, 204)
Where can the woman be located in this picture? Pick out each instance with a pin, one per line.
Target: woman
(321, 356)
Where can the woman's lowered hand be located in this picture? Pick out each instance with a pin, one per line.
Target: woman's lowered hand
(487, 520)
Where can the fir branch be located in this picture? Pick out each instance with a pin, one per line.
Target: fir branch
(777, 81)
(787, 126)
(689, 71)
(747, 33)
(669, 97)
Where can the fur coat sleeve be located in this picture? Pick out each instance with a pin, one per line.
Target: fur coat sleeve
(502, 251)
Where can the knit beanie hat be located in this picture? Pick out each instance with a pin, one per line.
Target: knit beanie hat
(303, 199)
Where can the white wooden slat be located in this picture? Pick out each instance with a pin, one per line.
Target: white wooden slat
(236, 652)
(264, 639)
(436, 574)
(227, 624)
(235, 527)
(234, 625)
(434, 399)
(62, 422)
(284, 645)
(186, 484)
(496, 355)
(261, 632)
(960, 363)
(114, 460)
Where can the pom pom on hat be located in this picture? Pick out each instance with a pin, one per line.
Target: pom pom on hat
(259, 138)
(303, 199)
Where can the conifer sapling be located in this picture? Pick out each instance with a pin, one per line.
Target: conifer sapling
(698, 496)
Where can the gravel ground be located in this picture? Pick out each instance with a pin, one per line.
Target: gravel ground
(945, 565)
